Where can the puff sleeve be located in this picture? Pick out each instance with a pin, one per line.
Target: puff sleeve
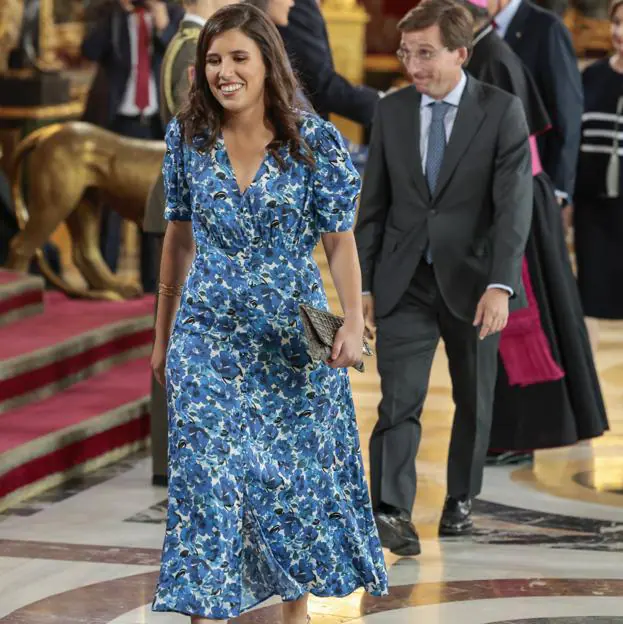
(176, 192)
(336, 183)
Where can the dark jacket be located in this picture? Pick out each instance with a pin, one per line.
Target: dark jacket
(543, 43)
(108, 44)
(307, 43)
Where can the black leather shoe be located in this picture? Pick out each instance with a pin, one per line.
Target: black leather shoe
(397, 533)
(456, 518)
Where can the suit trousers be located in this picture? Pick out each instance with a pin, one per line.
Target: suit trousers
(407, 340)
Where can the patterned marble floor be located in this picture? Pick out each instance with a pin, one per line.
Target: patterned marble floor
(548, 546)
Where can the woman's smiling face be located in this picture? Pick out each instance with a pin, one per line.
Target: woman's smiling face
(235, 71)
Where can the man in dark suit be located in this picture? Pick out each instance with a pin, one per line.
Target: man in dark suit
(543, 43)
(128, 42)
(443, 221)
(307, 43)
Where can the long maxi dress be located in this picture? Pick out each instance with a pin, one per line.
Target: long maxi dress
(267, 493)
(553, 397)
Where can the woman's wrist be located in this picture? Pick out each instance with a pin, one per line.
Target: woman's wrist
(355, 319)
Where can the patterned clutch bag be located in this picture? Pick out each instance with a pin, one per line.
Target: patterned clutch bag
(320, 328)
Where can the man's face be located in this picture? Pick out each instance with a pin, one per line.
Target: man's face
(434, 69)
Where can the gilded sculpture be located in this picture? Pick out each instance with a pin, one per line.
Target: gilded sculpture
(73, 169)
(11, 14)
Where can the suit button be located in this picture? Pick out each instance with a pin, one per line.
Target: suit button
(433, 213)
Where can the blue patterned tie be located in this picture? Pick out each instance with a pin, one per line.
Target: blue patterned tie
(435, 151)
(436, 144)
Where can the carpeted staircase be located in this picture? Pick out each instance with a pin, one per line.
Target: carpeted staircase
(74, 384)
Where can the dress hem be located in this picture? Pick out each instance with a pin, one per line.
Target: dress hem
(317, 593)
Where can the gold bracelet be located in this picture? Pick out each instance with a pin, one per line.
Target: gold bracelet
(169, 291)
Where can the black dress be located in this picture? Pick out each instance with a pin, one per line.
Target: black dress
(553, 413)
(598, 211)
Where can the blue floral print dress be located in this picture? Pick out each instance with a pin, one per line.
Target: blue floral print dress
(267, 493)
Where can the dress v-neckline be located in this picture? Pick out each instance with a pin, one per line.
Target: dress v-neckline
(230, 166)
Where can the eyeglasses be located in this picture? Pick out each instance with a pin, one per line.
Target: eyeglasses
(421, 55)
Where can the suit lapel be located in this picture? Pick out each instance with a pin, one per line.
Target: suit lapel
(467, 123)
(410, 124)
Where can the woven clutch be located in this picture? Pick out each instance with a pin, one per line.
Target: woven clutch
(320, 328)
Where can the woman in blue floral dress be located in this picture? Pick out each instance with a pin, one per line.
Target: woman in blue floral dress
(267, 493)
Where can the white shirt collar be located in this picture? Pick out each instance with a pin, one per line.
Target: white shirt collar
(454, 97)
(191, 17)
(504, 18)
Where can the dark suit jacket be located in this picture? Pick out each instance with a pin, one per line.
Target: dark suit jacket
(108, 43)
(543, 43)
(479, 218)
(307, 44)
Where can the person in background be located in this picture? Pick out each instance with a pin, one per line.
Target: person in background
(547, 391)
(307, 43)
(544, 44)
(277, 10)
(443, 221)
(598, 201)
(128, 42)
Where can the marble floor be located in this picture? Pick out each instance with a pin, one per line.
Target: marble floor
(548, 545)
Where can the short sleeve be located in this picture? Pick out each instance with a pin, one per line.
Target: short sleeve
(177, 195)
(336, 182)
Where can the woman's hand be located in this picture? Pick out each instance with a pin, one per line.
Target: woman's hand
(158, 361)
(348, 344)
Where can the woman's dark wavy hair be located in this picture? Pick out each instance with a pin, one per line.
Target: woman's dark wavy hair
(201, 118)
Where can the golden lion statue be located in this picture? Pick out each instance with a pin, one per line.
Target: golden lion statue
(72, 169)
(11, 13)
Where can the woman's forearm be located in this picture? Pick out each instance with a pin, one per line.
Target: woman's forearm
(178, 251)
(341, 253)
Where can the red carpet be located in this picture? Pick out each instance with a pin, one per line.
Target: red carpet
(20, 296)
(63, 431)
(72, 340)
(74, 384)
(66, 318)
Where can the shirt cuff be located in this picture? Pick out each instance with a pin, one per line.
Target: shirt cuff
(508, 289)
(366, 292)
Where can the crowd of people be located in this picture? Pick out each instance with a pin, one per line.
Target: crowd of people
(457, 233)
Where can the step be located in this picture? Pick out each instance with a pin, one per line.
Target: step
(71, 341)
(92, 423)
(21, 296)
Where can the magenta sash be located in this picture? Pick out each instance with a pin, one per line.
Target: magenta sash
(524, 348)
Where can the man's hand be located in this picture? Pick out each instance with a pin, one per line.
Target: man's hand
(492, 312)
(159, 13)
(126, 5)
(368, 317)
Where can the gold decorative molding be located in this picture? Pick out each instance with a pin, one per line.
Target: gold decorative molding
(59, 111)
(47, 60)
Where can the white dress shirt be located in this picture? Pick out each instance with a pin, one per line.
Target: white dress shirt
(426, 116)
(128, 107)
(504, 18)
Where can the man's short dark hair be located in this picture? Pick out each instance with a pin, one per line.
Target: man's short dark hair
(455, 22)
